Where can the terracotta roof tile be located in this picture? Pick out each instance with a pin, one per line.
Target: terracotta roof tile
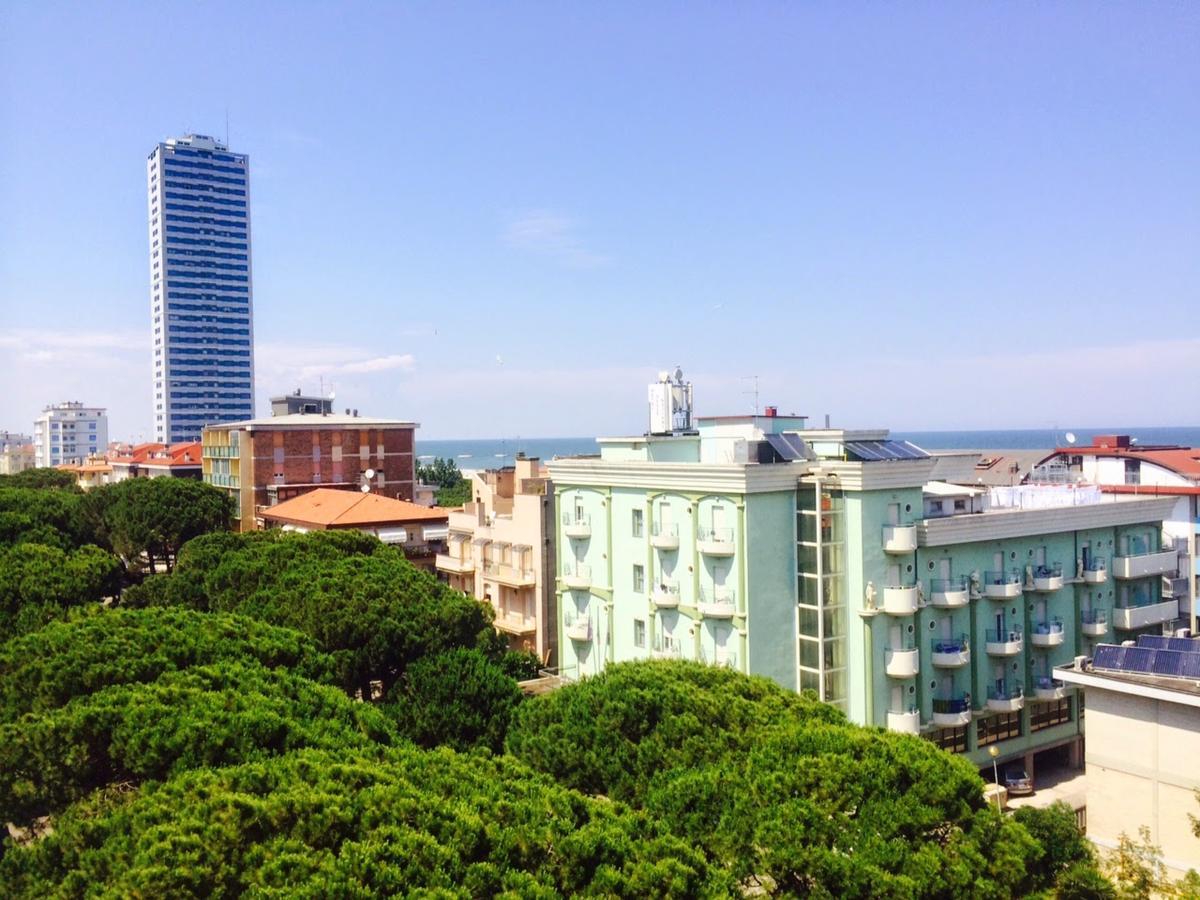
(331, 508)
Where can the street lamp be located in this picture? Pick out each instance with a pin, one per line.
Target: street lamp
(993, 752)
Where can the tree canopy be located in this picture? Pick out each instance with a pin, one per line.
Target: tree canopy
(453, 488)
(38, 583)
(213, 715)
(363, 602)
(319, 823)
(41, 478)
(43, 516)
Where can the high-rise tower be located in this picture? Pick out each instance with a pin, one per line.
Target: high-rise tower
(201, 294)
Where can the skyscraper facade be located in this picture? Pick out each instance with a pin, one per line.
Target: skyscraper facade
(201, 293)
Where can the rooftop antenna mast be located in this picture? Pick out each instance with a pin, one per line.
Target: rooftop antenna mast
(226, 126)
(753, 392)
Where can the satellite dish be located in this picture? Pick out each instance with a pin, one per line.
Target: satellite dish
(369, 474)
(1070, 437)
(1133, 440)
(365, 488)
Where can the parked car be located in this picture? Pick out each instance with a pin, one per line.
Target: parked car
(1017, 781)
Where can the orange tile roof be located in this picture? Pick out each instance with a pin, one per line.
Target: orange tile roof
(187, 454)
(333, 508)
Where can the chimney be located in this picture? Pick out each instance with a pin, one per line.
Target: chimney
(771, 412)
(356, 414)
(826, 420)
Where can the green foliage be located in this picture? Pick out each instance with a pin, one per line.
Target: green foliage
(442, 472)
(52, 517)
(213, 715)
(67, 660)
(155, 517)
(1136, 867)
(316, 823)
(521, 664)
(453, 496)
(613, 733)
(39, 582)
(363, 602)
(1057, 833)
(1082, 881)
(41, 479)
(458, 699)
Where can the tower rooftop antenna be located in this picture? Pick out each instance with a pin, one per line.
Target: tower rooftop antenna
(753, 392)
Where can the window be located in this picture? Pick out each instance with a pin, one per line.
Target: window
(639, 578)
(952, 739)
(637, 523)
(999, 728)
(1044, 715)
(639, 633)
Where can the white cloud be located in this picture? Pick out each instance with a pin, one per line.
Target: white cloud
(552, 235)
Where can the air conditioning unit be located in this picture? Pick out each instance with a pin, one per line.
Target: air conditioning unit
(1183, 632)
(1080, 662)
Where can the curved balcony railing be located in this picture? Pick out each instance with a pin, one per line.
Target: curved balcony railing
(949, 593)
(1094, 622)
(1048, 634)
(950, 652)
(1002, 585)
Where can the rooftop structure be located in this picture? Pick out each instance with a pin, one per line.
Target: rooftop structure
(201, 286)
(290, 404)
(154, 460)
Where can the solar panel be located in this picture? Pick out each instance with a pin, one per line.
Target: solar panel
(1167, 662)
(873, 451)
(1107, 657)
(1138, 659)
(1187, 645)
(1148, 660)
(788, 446)
(1157, 641)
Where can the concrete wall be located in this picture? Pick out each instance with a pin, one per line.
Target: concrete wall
(1142, 769)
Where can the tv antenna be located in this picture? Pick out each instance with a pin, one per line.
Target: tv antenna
(754, 391)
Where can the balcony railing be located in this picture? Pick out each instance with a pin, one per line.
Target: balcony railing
(1004, 642)
(1046, 688)
(1095, 570)
(906, 722)
(1131, 618)
(665, 536)
(448, 562)
(1006, 697)
(1094, 622)
(900, 601)
(579, 629)
(715, 541)
(576, 525)
(899, 538)
(1048, 578)
(902, 662)
(1143, 565)
(1002, 585)
(717, 602)
(666, 595)
(515, 622)
(952, 711)
(514, 576)
(950, 652)
(577, 577)
(949, 593)
(1048, 634)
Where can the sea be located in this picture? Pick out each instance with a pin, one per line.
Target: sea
(497, 452)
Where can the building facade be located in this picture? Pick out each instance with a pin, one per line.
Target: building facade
(501, 551)
(16, 453)
(201, 286)
(69, 433)
(855, 566)
(155, 461)
(262, 462)
(1143, 722)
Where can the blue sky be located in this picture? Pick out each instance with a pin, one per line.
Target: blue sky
(503, 219)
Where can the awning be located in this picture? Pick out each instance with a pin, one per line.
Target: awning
(392, 535)
(434, 532)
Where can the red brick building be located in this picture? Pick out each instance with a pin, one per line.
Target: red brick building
(263, 462)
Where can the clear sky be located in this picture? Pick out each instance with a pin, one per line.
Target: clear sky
(502, 219)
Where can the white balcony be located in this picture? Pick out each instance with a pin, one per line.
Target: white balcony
(1130, 618)
(579, 630)
(577, 527)
(457, 564)
(1146, 564)
(513, 622)
(903, 663)
(1004, 643)
(1002, 585)
(665, 537)
(717, 603)
(665, 595)
(577, 577)
(900, 601)
(950, 593)
(1095, 572)
(513, 576)
(899, 538)
(904, 722)
(952, 713)
(1009, 698)
(950, 653)
(1094, 622)
(1048, 578)
(715, 541)
(1047, 634)
(1049, 689)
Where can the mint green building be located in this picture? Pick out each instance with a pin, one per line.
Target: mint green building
(858, 567)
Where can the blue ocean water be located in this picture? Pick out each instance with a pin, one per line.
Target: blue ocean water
(490, 454)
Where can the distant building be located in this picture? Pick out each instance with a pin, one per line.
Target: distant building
(855, 565)
(16, 453)
(201, 286)
(1119, 464)
(1143, 743)
(69, 433)
(502, 551)
(292, 404)
(91, 473)
(155, 460)
(419, 531)
(263, 462)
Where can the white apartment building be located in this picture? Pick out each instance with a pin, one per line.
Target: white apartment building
(69, 433)
(201, 294)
